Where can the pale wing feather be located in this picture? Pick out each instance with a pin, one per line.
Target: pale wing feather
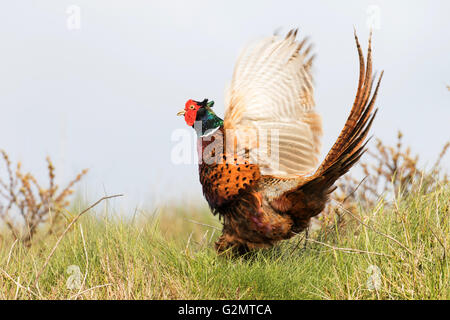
(272, 89)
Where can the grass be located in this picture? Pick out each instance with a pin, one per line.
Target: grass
(167, 256)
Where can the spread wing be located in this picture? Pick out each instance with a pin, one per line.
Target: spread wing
(272, 93)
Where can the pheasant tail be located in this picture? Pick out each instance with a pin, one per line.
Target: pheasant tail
(346, 151)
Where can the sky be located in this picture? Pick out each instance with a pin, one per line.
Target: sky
(97, 84)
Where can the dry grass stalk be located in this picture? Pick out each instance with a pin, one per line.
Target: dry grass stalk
(66, 230)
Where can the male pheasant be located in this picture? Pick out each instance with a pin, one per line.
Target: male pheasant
(260, 200)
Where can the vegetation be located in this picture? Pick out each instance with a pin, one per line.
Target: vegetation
(390, 244)
(26, 206)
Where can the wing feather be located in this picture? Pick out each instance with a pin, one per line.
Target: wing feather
(272, 89)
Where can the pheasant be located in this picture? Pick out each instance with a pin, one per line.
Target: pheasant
(262, 201)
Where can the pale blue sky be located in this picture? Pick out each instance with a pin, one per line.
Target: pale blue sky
(105, 96)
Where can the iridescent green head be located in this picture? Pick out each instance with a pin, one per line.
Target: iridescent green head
(200, 116)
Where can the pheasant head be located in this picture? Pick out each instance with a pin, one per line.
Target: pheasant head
(200, 116)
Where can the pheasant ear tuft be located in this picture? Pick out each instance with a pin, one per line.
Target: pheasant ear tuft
(203, 103)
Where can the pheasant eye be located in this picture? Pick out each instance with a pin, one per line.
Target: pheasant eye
(192, 107)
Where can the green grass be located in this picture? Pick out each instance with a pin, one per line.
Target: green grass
(166, 256)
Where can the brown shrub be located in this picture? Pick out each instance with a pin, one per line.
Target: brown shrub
(388, 171)
(26, 206)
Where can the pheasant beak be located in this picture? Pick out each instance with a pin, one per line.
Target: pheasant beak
(181, 113)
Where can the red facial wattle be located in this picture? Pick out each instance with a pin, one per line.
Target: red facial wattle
(190, 109)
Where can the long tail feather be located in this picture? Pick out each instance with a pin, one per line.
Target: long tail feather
(361, 116)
